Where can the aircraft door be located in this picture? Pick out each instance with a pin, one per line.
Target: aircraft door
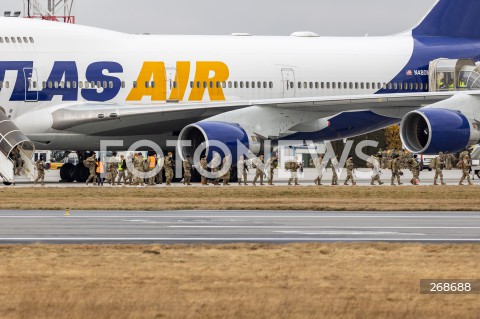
(31, 84)
(288, 79)
(172, 92)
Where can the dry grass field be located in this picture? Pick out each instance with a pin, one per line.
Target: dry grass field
(234, 281)
(451, 198)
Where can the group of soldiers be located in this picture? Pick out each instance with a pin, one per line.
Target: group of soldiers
(119, 169)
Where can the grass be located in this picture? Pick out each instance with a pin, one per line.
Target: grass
(427, 198)
(234, 281)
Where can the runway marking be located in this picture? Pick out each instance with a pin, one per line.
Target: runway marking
(348, 233)
(274, 239)
(323, 227)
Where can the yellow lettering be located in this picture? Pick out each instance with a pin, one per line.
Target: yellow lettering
(151, 71)
(213, 84)
(181, 80)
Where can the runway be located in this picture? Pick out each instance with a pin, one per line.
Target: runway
(236, 226)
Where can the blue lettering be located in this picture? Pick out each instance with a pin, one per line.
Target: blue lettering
(18, 93)
(109, 85)
(62, 71)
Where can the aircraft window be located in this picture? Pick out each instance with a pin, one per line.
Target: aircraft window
(13, 39)
(299, 85)
(147, 84)
(25, 40)
(310, 85)
(67, 84)
(379, 85)
(55, 84)
(426, 86)
(259, 84)
(1, 84)
(110, 84)
(411, 86)
(123, 84)
(134, 84)
(368, 86)
(384, 86)
(7, 84)
(204, 84)
(224, 84)
(416, 86)
(350, 85)
(345, 85)
(373, 85)
(247, 85)
(334, 85)
(44, 84)
(99, 84)
(322, 85)
(362, 85)
(198, 84)
(61, 84)
(1, 39)
(49, 84)
(217, 85)
(271, 85)
(229, 84)
(241, 84)
(400, 86)
(19, 40)
(211, 84)
(74, 84)
(395, 86)
(7, 40)
(389, 86)
(264, 85)
(339, 85)
(174, 84)
(421, 86)
(328, 85)
(105, 85)
(253, 84)
(34, 84)
(191, 84)
(31, 40)
(235, 84)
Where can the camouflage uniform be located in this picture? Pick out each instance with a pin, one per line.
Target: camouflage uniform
(151, 161)
(242, 170)
(121, 172)
(271, 164)
(204, 166)
(293, 168)
(465, 166)
(415, 169)
(187, 172)
(168, 169)
(215, 165)
(438, 166)
(396, 171)
(319, 166)
(139, 166)
(350, 167)
(384, 159)
(90, 164)
(226, 165)
(40, 165)
(258, 170)
(112, 171)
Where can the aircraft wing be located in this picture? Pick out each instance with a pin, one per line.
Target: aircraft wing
(117, 120)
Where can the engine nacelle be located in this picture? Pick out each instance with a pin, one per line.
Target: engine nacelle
(434, 130)
(207, 134)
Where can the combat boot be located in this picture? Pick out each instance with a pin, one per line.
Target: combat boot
(460, 183)
(381, 183)
(443, 183)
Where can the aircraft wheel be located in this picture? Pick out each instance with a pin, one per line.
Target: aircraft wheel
(7, 183)
(67, 172)
(81, 173)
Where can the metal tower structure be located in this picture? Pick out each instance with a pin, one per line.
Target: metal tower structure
(53, 10)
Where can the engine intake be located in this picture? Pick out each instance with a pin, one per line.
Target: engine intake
(207, 134)
(434, 130)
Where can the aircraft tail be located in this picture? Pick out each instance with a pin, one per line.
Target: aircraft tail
(451, 18)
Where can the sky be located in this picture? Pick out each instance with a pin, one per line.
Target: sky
(258, 17)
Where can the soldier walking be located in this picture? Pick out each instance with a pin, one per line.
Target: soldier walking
(293, 167)
(204, 166)
(350, 167)
(169, 168)
(271, 164)
(465, 165)
(40, 166)
(396, 172)
(319, 167)
(122, 166)
(90, 164)
(138, 164)
(226, 166)
(258, 165)
(375, 162)
(415, 169)
(438, 165)
(334, 164)
(187, 171)
(152, 163)
(242, 170)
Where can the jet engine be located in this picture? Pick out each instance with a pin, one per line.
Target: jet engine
(433, 130)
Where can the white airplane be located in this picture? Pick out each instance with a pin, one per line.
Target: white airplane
(68, 87)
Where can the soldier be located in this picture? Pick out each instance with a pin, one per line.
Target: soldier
(226, 166)
(464, 165)
(449, 158)
(415, 169)
(129, 180)
(169, 168)
(139, 167)
(40, 166)
(242, 170)
(271, 164)
(384, 159)
(396, 172)
(122, 166)
(319, 167)
(334, 164)
(293, 167)
(90, 164)
(100, 171)
(112, 169)
(160, 164)
(463, 154)
(258, 165)
(204, 166)
(438, 165)
(152, 163)
(187, 171)
(350, 167)
(375, 162)
(215, 165)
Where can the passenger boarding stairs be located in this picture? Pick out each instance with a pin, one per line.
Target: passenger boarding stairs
(11, 139)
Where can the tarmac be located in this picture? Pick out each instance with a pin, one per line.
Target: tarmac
(281, 179)
(236, 226)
